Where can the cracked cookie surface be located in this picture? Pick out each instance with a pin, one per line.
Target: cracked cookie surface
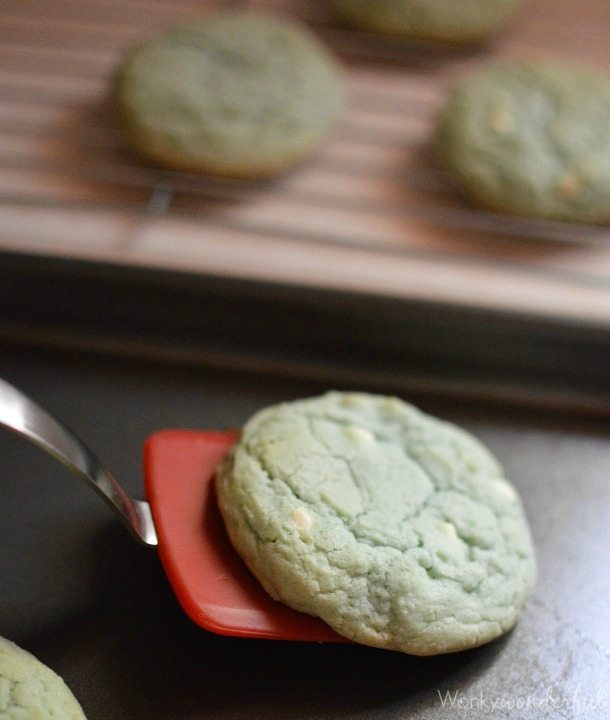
(29, 690)
(397, 529)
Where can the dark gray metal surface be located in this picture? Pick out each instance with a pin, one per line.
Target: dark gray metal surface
(450, 350)
(77, 591)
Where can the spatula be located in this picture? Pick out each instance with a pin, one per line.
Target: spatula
(180, 518)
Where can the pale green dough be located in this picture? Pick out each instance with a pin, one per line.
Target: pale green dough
(30, 690)
(532, 139)
(397, 529)
(239, 94)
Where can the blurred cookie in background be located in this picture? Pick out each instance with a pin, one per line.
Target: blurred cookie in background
(453, 21)
(531, 139)
(237, 94)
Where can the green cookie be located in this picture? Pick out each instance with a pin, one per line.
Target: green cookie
(532, 139)
(237, 94)
(397, 529)
(455, 21)
(30, 690)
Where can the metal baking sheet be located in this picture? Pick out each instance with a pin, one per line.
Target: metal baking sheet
(79, 593)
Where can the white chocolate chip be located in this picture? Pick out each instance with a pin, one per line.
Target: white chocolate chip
(569, 185)
(505, 489)
(448, 529)
(502, 121)
(393, 405)
(359, 434)
(302, 519)
(350, 400)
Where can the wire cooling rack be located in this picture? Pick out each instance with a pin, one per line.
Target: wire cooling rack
(370, 212)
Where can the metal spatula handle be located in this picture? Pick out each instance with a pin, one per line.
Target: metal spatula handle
(26, 418)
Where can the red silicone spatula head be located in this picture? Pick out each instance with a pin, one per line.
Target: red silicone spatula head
(211, 582)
